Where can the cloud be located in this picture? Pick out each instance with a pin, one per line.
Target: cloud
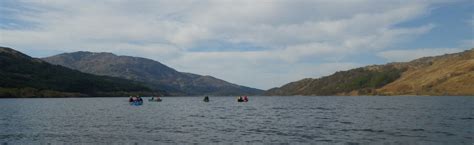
(411, 54)
(296, 35)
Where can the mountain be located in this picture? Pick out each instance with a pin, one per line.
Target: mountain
(24, 76)
(449, 74)
(153, 73)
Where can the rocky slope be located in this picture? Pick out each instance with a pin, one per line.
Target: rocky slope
(153, 73)
(24, 76)
(450, 74)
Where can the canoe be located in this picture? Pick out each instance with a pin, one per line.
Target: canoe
(151, 100)
(136, 103)
(242, 101)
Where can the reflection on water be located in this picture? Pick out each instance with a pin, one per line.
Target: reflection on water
(399, 120)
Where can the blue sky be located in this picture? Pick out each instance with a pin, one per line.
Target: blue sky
(260, 44)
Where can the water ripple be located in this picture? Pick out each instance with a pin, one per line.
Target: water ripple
(280, 120)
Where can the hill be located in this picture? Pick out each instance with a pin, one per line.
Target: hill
(450, 74)
(24, 76)
(153, 73)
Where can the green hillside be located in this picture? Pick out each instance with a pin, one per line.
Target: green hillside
(24, 76)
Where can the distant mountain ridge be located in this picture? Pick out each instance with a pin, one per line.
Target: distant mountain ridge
(450, 74)
(153, 73)
(24, 76)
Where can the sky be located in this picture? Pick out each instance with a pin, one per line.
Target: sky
(261, 44)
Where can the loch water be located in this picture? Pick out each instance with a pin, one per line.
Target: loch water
(292, 119)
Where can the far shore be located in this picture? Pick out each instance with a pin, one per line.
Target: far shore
(242, 95)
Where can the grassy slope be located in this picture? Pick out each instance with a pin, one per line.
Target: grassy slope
(451, 74)
(446, 75)
(361, 80)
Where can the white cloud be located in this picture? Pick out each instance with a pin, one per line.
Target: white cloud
(411, 54)
(291, 32)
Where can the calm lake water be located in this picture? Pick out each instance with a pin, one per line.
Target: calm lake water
(343, 120)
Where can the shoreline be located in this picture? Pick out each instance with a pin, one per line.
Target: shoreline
(240, 95)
